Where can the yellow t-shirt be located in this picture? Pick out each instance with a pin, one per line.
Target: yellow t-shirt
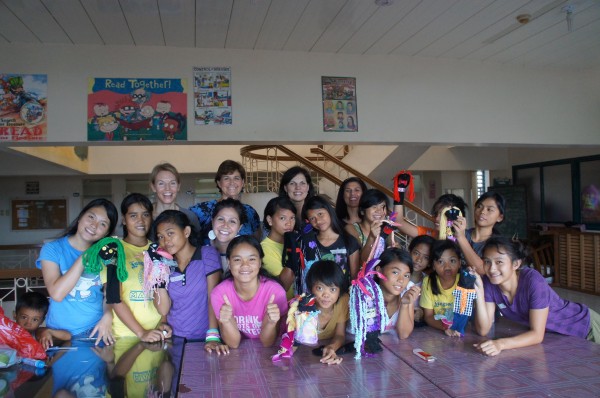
(272, 261)
(442, 304)
(132, 293)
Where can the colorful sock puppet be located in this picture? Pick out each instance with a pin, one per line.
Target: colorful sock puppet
(157, 268)
(108, 252)
(448, 216)
(401, 184)
(302, 325)
(368, 315)
(464, 294)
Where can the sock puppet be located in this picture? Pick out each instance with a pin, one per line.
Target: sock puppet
(108, 252)
(464, 295)
(302, 325)
(157, 267)
(449, 215)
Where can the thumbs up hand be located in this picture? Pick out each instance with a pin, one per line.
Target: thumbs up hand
(226, 313)
(272, 310)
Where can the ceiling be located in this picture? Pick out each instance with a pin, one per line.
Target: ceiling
(478, 30)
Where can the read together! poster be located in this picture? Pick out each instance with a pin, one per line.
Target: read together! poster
(23, 107)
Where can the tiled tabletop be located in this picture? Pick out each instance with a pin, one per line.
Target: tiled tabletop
(560, 367)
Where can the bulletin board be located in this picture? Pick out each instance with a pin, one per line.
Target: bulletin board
(515, 214)
(33, 214)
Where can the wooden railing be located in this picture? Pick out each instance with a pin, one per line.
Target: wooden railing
(17, 271)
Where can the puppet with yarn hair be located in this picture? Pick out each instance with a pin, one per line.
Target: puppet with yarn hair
(368, 315)
(302, 325)
(448, 216)
(157, 267)
(402, 185)
(464, 295)
(108, 252)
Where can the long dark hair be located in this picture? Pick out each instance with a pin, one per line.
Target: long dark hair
(393, 254)
(372, 197)
(341, 209)
(449, 200)
(174, 217)
(514, 249)
(111, 212)
(500, 204)
(131, 199)
(439, 247)
(277, 203)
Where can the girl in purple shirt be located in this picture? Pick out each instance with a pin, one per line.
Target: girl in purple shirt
(522, 295)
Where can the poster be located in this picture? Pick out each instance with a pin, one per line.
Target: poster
(339, 104)
(28, 214)
(212, 95)
(23, 107)
(122, 109)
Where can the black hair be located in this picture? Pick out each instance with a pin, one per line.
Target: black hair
(449, 200)
(500, 204)
(233, 204)
(174, 217)
(372, 197)
(341, 209)
(290, 174)
(111, 213)
(393, 254)
(421, 240)
(328, 273)
(514, 249)
(277, 203)
(132, 199)
(33, 300)
(437, 250)
(319, 202)
(252, 241)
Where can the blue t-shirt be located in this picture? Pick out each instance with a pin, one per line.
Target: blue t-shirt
(81, 309)
(204, 212)
(81, 372)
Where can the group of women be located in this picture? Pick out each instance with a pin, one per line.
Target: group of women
(233, 277)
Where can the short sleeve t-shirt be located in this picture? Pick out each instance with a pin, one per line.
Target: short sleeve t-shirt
(341, 313)
(427, 231)
(442, 304)
(272, 261)
(249, 314)
(533, 293)
(188, 291)
(81, 309)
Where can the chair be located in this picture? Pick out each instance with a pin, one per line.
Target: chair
(543, 260)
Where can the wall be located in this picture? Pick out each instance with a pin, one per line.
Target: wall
(277, 98)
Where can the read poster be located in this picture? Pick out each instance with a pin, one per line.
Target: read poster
(212, 95)
(339, 104)
(23, 107)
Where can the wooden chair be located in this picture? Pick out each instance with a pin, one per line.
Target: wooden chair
(543, 260)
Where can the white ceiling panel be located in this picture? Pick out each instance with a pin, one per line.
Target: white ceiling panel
(279, 23)
(420, 16)
(446, 22)
(212, 22)
(34, 14)
(314, 21)
(354, 14)
(246, 21)
(74, 20)
(13, 30)
(178, 19)
(384, 19)
(144, 22)
(109, 20)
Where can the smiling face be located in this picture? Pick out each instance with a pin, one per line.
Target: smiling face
(282, 221)
(244, 263)
(420, 257)
(447, 265)
(226, 225)
(231, 185)
(319, 219)
(93, 224)
(375, 212)
(172, 237)
(29, 318)
(499, 267)
(165, 186)
(352, 194)
(137, 221)
(487, 213)
(297, 188)
(325, 296)
(398, 276)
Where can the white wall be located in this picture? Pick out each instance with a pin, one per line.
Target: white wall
(277, 98)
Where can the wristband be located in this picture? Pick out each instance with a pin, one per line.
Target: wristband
(213, 335)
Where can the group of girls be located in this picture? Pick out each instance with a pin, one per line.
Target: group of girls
(231, 286)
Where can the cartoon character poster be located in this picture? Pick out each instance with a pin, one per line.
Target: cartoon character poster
(212, 95)
(122, 109)
(23, 107)
(339, 104)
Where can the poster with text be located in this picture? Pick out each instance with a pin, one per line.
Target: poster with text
(339, 104)
(122, 109)
(23, 107)
(212, 95)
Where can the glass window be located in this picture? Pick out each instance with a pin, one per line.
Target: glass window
(530, 178)
(590, 191)
(558, 201)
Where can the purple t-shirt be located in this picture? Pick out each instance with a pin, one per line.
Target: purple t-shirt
(249, 314)
(189, 294)
(533, 293)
